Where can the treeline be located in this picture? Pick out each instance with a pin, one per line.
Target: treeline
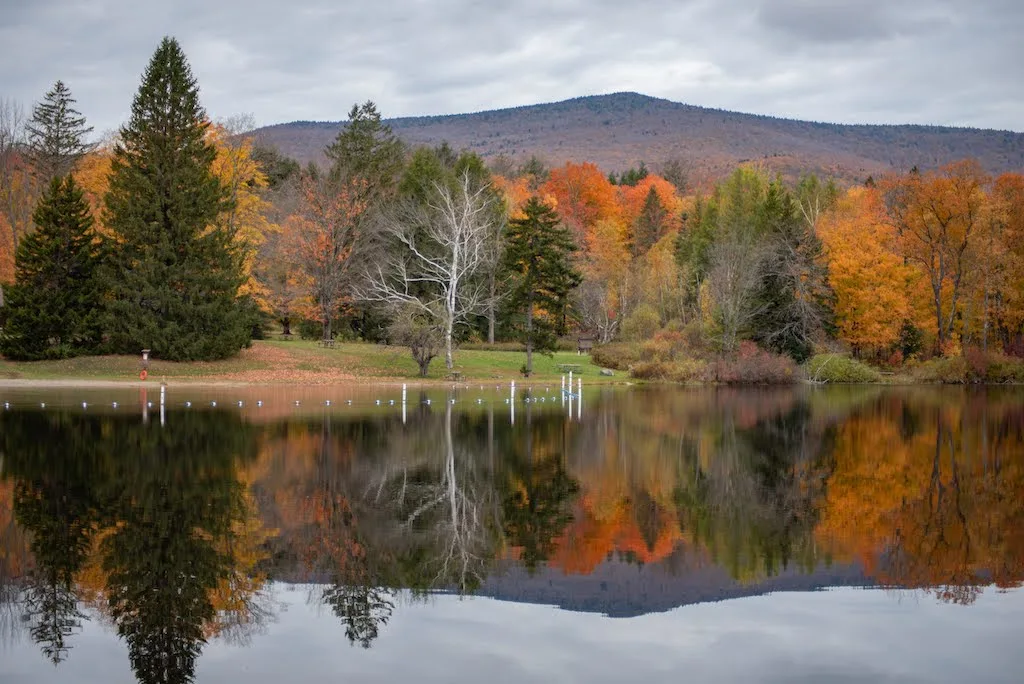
(431, 247)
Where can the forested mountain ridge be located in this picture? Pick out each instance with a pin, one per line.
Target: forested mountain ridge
(618, 131)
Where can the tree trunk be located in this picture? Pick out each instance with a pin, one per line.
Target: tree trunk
(448, 343)
(491, 311)
(529, 336)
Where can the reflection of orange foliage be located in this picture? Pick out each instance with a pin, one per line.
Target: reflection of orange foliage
(941, 509)
(14, 553)
(604, 528)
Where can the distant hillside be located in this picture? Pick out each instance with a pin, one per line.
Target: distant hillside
(618, 131)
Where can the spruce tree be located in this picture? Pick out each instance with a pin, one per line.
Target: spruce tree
(176, 273)
(56, 135)
(649, 224)
(53, 309)
(537, 256)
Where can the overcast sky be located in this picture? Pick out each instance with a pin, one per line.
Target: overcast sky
(953, 62)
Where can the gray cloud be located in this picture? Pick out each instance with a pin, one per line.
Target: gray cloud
(867, 61)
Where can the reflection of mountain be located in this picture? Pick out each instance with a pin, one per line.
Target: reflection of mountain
(620, 589)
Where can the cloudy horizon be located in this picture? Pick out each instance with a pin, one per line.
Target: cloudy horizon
(946, 62)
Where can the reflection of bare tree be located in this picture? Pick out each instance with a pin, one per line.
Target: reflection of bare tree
(455, 508)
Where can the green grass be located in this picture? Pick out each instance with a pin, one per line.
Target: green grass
(303, 357)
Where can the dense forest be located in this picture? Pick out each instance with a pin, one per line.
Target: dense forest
(191, 238)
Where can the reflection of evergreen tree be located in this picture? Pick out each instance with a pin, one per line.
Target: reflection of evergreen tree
(754, 504)
(363, 610)
(54, 501)
(539, 493)
(168, 496)
(176, 495)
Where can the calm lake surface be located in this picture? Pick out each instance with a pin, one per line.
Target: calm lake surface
(652, 535)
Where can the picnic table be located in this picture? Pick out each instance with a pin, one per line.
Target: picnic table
(327, 343)
(570, 367)
(455, 376)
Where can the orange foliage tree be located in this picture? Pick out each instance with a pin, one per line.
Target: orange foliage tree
(323, 236)
(938, 217)
(869, 278)
(582, 196)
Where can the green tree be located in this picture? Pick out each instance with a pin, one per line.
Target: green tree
(53, 310)
(56, 135)
(176, 273)
(649, 224)
(537, 255)
(366, 150)
(795, 299)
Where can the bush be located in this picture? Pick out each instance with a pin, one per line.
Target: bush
(838, 368)
(945, 370)
(687, 370)
(617, 355)
(974, 366)
(755, 366)
(641, 324)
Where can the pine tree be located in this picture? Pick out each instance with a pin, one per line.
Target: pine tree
(53, 310)
(649, 224)
(176, 274)
(537, 255)
(56, 135)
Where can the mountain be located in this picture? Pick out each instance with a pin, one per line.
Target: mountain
(618, 131)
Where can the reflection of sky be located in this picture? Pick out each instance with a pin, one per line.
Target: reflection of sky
(843, 635)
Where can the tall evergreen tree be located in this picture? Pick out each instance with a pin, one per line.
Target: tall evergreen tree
(366, 150)
(795, 297)
(537, 255)
(56, 135)
(176, 273)
(53, 309)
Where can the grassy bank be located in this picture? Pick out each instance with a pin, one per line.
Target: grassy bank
(300, 361)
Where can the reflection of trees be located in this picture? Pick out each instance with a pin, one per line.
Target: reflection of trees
(165, 505)
(538, 492)
(449, 502)
(938, 507)
(55, 501)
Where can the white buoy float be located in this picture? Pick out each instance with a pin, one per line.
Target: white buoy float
(259, 402)
(115, 404)
(239, 404)
(188, 404)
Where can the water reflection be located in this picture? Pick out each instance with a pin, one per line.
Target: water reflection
(171, 534)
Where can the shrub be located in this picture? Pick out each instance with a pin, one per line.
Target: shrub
(617, 355)
(975, 366)
(755, 366)
(1004, 369)
(839, 368)
(946, 370)
(686, 370)
(641, 324)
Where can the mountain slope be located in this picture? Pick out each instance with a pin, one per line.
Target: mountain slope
(619, 130)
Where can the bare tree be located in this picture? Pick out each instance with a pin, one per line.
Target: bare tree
(430, 257)
(17, 189)
(734, 276)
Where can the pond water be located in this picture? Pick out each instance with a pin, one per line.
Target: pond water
(643, 534)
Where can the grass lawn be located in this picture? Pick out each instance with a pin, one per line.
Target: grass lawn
(304, 362)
